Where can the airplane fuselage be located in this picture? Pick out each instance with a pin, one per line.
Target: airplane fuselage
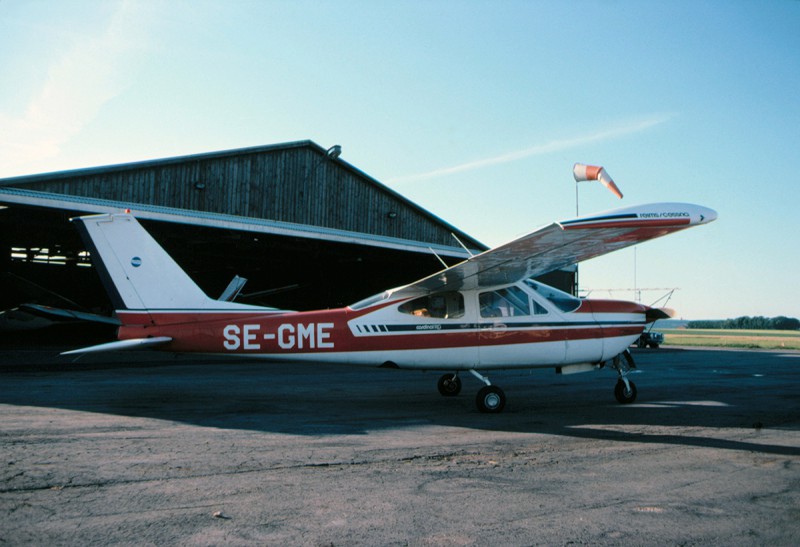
(512, 326)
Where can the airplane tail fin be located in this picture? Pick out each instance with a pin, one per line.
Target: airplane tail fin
(137, 272)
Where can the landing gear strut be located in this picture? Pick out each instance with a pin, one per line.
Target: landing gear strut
(625, 390)
(490, 399)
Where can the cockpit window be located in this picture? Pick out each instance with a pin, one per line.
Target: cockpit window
(445, 305)
(509, 302)
(563, 301)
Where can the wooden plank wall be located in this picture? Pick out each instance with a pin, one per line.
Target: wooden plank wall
(299, 184)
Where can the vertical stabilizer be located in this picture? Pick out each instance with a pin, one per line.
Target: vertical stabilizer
(137, 272)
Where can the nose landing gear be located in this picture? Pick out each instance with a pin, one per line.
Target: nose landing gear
(625, 390)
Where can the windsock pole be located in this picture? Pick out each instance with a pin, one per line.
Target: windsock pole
(583, 172)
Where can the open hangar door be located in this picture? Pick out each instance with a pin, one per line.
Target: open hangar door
(45, 262)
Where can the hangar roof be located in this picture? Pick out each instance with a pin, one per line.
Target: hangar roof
(294, 189)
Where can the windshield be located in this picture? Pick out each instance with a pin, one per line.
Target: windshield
(563, 301)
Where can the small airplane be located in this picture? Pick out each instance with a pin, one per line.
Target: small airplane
(485, 313)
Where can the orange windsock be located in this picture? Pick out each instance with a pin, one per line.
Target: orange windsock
(584, 172)
(606, 181)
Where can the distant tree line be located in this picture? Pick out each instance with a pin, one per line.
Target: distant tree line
(749, 323)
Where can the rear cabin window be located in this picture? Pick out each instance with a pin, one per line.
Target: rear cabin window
(509, 302)
(446, 305)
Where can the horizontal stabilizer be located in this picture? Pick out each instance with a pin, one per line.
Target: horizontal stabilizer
(136, 343)
(233, 289)
(61, 314)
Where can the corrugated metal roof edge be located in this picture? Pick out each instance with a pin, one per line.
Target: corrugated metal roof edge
(219, 220)
(87, 171)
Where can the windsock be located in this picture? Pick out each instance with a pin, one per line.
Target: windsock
(584, 172)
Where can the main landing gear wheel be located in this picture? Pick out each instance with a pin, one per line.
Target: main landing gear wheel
(491, 399)
(449, 385)
(624, 394)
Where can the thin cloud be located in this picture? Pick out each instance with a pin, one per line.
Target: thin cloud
(86, 77)
(540, 149)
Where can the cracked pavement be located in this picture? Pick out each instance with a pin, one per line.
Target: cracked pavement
(156, 449)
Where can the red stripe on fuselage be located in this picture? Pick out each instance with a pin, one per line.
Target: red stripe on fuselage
(610, 306)
(329, 332)
(533, 336)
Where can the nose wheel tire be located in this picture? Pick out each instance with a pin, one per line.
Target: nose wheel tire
(624, 395)
(449, 385)
(491, 399)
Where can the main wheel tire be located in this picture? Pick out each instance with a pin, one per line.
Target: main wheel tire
(624, 395)
(490, 399)
(449, 385)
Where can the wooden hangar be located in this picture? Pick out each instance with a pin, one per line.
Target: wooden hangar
(306, 228)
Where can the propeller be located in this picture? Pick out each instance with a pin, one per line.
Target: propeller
(585, 172)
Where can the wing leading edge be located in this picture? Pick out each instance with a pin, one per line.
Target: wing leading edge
(564, 243)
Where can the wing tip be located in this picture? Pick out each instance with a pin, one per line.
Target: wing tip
(652, 214)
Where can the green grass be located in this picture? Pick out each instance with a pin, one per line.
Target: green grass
(755, 339)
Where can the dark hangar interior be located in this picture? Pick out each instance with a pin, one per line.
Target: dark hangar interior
(307, 229)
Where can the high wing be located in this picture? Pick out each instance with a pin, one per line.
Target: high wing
(562, 244)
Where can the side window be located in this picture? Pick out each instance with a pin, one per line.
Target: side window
(446, 305)
(538, 309)
(509, 302)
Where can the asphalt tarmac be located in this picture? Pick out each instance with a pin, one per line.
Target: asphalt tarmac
(151, 449)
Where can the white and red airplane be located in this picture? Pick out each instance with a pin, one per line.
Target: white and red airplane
(485, 313)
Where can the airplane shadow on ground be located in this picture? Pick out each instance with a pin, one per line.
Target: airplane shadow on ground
(680, 393)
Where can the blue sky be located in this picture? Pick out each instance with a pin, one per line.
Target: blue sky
(476, 110)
